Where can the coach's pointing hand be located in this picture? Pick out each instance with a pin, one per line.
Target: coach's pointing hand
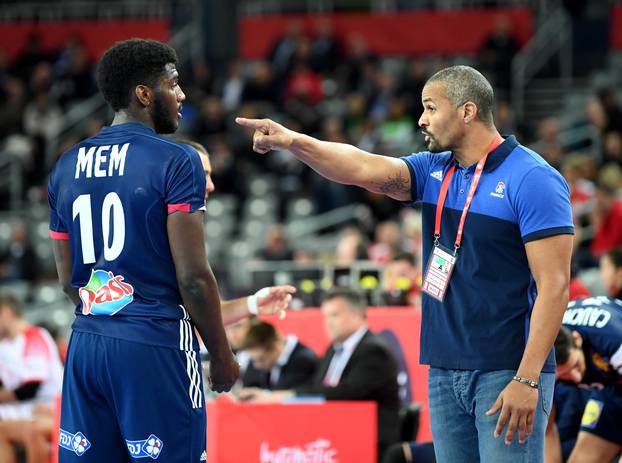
(268, 135)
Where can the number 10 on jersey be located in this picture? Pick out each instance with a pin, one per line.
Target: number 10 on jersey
(111, 206)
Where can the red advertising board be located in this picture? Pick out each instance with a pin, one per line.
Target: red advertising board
(331, 432)
(405, 33)
(400, 327)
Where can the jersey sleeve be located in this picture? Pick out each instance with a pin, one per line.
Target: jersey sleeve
(419, 166)
(58, 229)
(185, 184)
(542, 204)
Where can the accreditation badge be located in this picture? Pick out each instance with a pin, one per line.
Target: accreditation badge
(438, 272)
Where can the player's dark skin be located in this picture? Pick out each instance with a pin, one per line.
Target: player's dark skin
(159, 107)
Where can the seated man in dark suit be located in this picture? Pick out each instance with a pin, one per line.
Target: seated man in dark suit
(357, 366)
(277, 362)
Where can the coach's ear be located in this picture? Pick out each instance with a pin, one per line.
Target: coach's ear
(144, 94)
(470, 112)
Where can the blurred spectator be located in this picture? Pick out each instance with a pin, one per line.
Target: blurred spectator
(612, 147)
(611, 272)
(277, 362)
(548, 144)
(236, 333)
(396, 132)
(32, 54)
(260, 85)
(574, 169)
(74, 76)
(211, 119)
(352, 246)
(325, 49)
(30, 375)
(233, 87)
(576, 289)
(357, 366)
(401, 282)
(598, 123)
(283, 51)
(19, 262)
(12, 107)
(388, 242)
(275, 245)
(304, 84)
(497, 53)
(608, 100)
(412, 85)
(606, 218)
(353, 71)
(504, 118)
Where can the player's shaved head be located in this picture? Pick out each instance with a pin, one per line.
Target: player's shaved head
(462, 84)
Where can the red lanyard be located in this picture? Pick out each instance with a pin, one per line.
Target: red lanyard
(445, 187)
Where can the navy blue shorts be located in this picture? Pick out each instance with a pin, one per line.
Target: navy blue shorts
(603, 414)
(126, 402)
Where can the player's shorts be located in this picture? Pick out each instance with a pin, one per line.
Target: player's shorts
(603, 414)
(130, 402)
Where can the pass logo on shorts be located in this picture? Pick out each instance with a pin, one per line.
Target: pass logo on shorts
(75, 443)
(105, 293)
(592, 411)
(151, 447)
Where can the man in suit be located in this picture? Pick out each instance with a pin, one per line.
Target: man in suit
(277, 362)
(357, 366)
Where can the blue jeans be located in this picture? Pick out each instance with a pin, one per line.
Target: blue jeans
(461, 430)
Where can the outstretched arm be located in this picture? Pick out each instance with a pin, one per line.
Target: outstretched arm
(267, 301)
(339, 162)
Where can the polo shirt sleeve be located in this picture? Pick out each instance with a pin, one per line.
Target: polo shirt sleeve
(542, 204)
(185, 184)
(419, 165)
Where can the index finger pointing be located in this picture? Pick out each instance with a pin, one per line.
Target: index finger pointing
(251, 123)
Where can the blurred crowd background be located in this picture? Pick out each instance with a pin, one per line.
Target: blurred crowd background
(271, 220)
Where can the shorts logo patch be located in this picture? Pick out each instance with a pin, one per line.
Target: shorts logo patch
(591, 414)
(76, 443)
(151, 447)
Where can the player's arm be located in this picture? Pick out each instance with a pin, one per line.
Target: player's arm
(339, 162)
(266, 301)
(62, 258)
(199, 292)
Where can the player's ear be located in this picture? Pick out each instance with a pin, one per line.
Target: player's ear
(470, 112)
(144, 94)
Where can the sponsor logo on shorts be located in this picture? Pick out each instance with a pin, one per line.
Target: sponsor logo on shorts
(151, 447)
(591, 414)
(75, 443)
(204, 456)
(105, 293)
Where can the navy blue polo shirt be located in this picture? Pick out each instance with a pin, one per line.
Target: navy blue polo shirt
(483, 322)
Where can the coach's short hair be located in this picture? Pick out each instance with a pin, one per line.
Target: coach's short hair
(356, 299)
(462, 84)
(130, 63)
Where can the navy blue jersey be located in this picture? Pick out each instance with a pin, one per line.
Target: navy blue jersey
(110, 197)
(599, 322)
(483, 323)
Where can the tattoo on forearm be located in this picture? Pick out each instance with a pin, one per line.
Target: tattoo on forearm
(394, 184)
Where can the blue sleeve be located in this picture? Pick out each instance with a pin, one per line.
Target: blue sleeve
(419, 167)
(185, 183)
(542, 205)
(57, 226)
